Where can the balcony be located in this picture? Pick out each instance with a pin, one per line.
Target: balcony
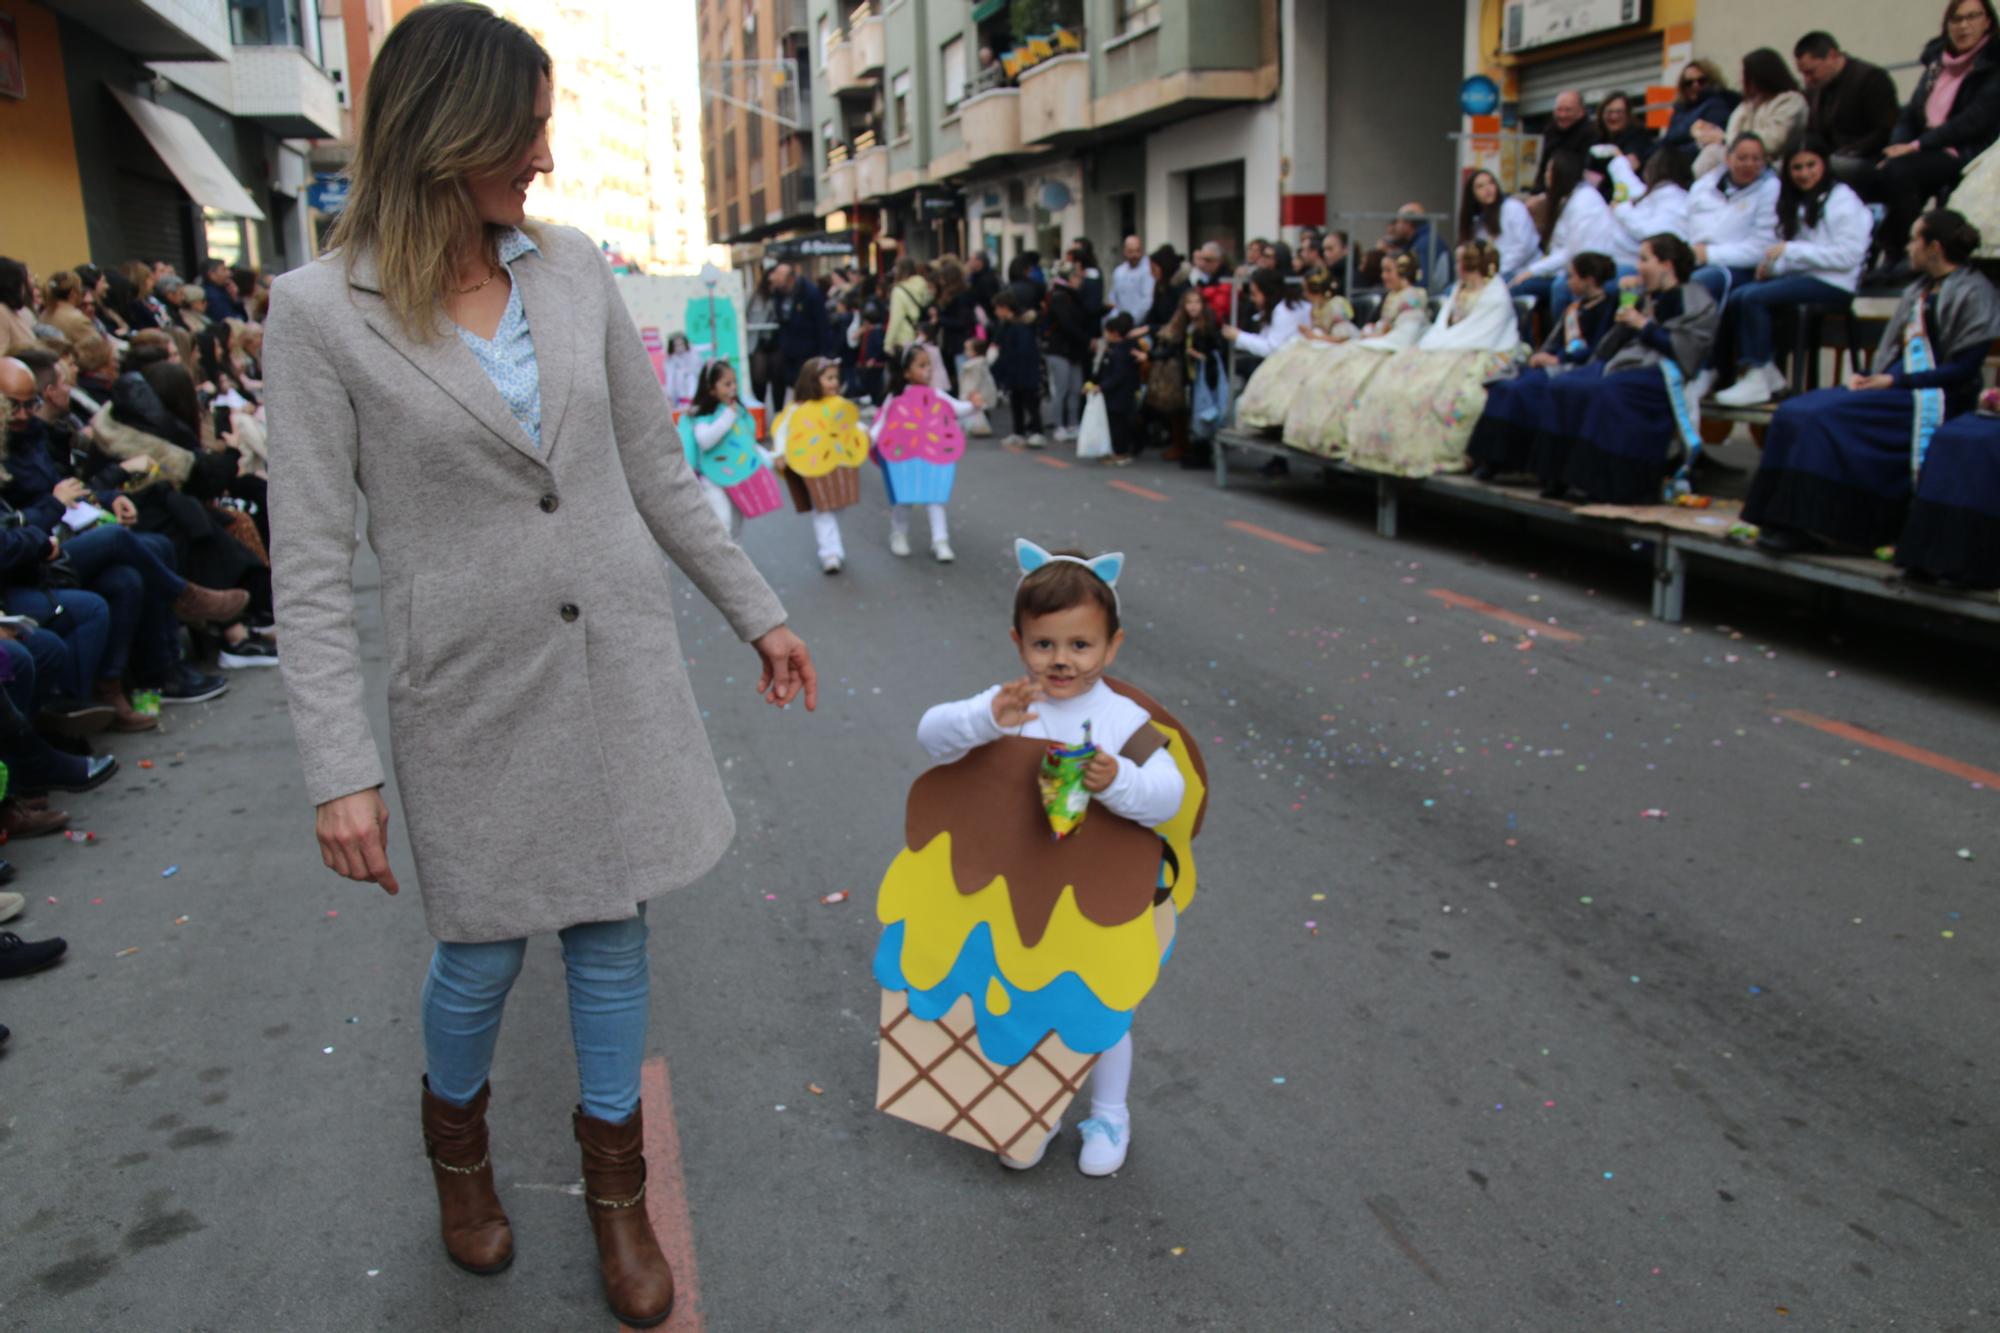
(155, 29)
(871, 173)
(796, 195)
(792, 17)
(839, 191)
(280, 88)
(1055, 100)
(1195, 59)
(840, 74)
(991, 124)
(870, 39)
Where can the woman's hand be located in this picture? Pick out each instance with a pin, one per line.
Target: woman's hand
(1230, 332)
(1014, 705)
(1700, 255)
(69, 490)
(788, 669)
(137, 465)
(1543, 360)
(353, 833)
(1706, 134)
(1896, 150)
(1632, 317)
(1861, 382)
(1100, 773)
(124, 510)
(978, 400)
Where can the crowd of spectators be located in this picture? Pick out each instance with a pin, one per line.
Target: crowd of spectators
(133, 535)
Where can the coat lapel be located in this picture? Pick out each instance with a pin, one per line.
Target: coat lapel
(543, 299)
(449, 364)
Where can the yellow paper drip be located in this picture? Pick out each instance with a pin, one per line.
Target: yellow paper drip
(998, 1001)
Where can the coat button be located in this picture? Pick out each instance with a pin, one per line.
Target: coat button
(550, 503)
(569, 611)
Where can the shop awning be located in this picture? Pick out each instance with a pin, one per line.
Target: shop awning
(986, 9)
(194, 164)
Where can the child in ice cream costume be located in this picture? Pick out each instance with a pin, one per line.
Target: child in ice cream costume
(1018, 939)
(720, 437)
(918, 442)
(821, 445)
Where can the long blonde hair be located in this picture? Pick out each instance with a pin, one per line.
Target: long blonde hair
(451, 98)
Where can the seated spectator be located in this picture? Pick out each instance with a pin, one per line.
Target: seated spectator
(1649, 205)
(33, 662)
(1578, 222)
(1951, 118)
(96, 369)
(1487, 213)
(62, 306)
(1952, 535)
(144, 310)
(17, 305)
(1824, 232)
(98, 289)
(1419, 410)
(1612, 428)
(219, 290)
(1772, 108)
(1733, 218)
(216, 363)
(1332, 315)
(1837, 462)
(1851, 105)
(1317, 418)
(1280, 313)
(1619, 127)
(1702, 98)
(1571, 130)
(1504, 438)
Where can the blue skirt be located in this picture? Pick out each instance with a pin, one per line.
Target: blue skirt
(917, 482)
(1610, 436)
(1836, 464)
(1504, 439)
(1953, 532)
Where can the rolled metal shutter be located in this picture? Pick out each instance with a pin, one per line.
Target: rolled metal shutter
(1625, 68)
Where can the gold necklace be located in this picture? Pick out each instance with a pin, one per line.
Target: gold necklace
(491, 273)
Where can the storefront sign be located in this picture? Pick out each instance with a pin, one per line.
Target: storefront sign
(328, 193)
(814, 245)
(1527, 24)
(934, 206)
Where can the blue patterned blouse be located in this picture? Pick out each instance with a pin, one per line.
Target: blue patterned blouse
(509, 357)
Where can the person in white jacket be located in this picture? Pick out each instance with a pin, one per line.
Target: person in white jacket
(1654, 204)
(1733, 218)
(1582, 226)
(1284, 315)
(1824, 234)
(1487, 213)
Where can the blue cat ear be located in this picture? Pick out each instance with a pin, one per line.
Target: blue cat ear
(1108, 567)
(1029, 556)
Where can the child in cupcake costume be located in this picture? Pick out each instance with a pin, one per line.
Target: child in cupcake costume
(821, 446)
(720, 437)
(1048, 858)
(918, 442)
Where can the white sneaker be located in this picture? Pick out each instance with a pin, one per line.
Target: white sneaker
(943, 552)
(899, 543)
(1699, 386)
(1105, 1143)
(830, 565)
(1013, 442)
(11, 905)
(1038, 441)
(1754, 387)
(1064, 434)
(1034, 1161)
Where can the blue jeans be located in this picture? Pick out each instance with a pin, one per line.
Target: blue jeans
(1751, 307)
(84, 628)
(609, 987)
(134, 573)
(1721, 281)
(32, 666)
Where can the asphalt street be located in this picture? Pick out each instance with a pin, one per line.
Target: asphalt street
(1579, 978)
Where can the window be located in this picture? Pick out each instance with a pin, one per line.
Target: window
(825, 37)
(954, 71)
(1137, 15)
(901, 88)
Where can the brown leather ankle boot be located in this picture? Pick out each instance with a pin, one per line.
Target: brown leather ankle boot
(126, 718)
(476, 1234)
(210, 606)
(637, 1280)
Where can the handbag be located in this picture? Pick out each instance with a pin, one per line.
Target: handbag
(1166, 385)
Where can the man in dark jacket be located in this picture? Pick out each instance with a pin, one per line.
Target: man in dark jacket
(1853, 103)
(219, 284)
(802, 327)
(1570, 131)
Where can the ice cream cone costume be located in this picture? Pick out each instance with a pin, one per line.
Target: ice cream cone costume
(1009, 958)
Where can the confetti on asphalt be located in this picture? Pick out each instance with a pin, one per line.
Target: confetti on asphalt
(182, 920)
(326, 1050)
(122, 953)
(1965, 853)
(815, 1089)
(145, 763)
(1178, 1251)
(1280, 1079)
(1652, 813)
(834, 898)
(79, 837)
(170, 872)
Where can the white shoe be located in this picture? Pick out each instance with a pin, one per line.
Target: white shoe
(1753, 388)
(11, 905)
(943, 552)
(1034, 1161)
(1105, 1143)
(1064, 434)
(899, 543)
(1699, 386)
(830, 565)
(1014, 441)
(1038, 441)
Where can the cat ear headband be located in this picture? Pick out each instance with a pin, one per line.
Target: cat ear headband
(1031, 557)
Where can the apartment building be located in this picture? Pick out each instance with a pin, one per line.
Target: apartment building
(756, 135)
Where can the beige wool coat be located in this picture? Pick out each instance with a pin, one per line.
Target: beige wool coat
(551, 757)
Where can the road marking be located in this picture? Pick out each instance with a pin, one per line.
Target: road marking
(1280, 538)
(666, 1193)
(1139, 491)
(1875, 740)
(1458, 601)
(1046, 461)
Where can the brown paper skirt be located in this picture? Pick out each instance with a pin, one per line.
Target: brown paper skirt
(838, 489)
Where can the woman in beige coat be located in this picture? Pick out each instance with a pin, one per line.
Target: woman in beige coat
(481, 383)
(1772, 108)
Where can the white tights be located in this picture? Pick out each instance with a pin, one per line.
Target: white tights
(1110, 1080)
(899, 521)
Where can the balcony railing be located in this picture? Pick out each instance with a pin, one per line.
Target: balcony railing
(1055, 99)
(796, 193)
(871, 173)
(869, 37)
(991, 124)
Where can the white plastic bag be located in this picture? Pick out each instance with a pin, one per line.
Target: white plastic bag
(1093, 437)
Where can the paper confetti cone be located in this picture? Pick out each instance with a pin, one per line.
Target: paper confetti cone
(933, 1075)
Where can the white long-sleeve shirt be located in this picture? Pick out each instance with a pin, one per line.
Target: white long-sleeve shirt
(1518, 241)
(1148, 794)
(1132, 290)
(1644, 212)
(1280, 327)
(1737, 223)
(1584, 228)
(709, 433)
(959, 407)
(1835, 250)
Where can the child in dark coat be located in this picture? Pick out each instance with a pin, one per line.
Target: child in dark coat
(1118, 379)
(1018, 371)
